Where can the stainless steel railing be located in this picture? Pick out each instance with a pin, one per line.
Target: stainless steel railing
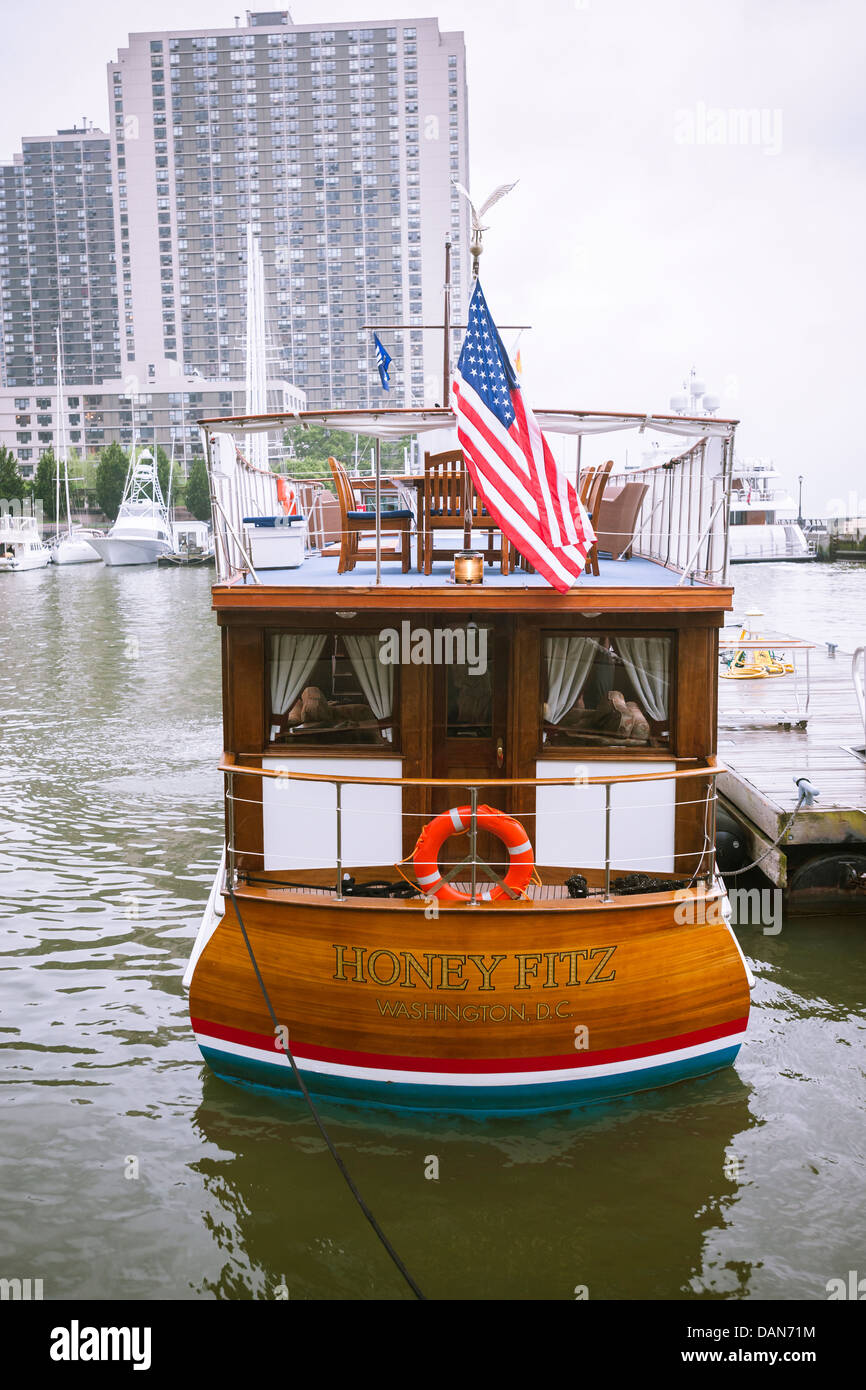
(704, 854)
(684, 516)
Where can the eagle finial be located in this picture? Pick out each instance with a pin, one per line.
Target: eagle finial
(478, 228)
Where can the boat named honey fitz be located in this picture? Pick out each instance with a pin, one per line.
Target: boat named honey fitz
(458, 883)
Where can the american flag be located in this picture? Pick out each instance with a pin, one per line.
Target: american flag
(509, 460)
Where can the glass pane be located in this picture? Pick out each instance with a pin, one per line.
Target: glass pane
(470, 687)
(606, 690)
(325, 691)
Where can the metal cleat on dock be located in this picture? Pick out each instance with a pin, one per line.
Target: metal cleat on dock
(808, 793)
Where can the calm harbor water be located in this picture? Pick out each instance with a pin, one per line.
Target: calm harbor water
(746, 1185)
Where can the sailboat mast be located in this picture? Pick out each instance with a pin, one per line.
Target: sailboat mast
(61, 405)
(59, 439)
(256, 350)
(170, 481)
(446, 334)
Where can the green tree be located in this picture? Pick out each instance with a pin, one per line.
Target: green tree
(316, 442)
(12, 485)
(308, 451)
(44, 485)
(110, 479)
(311, 468)
(85, 470)
(198, 491)
(81, 479)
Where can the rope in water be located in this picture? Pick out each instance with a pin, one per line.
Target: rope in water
(315, 1114)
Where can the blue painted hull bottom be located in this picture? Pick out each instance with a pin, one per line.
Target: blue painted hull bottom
(467, 1100)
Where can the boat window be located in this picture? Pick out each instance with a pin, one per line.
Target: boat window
(605, 690)
(330, 688)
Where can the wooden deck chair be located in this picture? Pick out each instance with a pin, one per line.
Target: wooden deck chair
(450, 503)
(354, 524)
(478, 518)
(593, 506)
(586, 479)
(443, 504)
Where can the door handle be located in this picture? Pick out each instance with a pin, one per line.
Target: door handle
(500, 753)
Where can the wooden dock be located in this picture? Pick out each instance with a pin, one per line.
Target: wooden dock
(775, 729)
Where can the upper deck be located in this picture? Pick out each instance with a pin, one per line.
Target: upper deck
(675, 537)
(621, 585)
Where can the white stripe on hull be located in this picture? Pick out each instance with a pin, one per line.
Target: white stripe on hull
(475, 1079)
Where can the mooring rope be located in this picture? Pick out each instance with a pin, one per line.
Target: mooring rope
(735, 873)
(315, 1114)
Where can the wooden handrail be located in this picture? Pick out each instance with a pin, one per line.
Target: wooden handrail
(228, 764)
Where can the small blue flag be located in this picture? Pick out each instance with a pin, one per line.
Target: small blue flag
(383, 362)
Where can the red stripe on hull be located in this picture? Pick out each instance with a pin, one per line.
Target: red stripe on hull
(301, 1050)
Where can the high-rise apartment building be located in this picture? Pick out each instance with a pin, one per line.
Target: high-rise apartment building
(338, 144)
(57, 262)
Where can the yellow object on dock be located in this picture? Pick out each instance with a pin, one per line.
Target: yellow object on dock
(756, 663)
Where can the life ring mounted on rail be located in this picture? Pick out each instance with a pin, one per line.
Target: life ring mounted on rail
(425, 859)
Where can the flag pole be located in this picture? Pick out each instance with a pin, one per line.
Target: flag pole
(378, 443)
(446, 345)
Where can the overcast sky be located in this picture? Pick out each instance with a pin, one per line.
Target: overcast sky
(636, 243)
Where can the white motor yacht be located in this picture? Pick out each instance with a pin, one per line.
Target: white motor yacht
(21, 546)
(764, 521)
(142, 531)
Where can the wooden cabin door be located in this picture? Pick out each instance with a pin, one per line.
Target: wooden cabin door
(471, 720)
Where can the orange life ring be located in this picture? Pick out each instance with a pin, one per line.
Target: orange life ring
(288, 497)
(425, 859)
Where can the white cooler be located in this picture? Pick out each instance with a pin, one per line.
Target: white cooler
(276, 542)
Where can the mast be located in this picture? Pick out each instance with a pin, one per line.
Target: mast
(59, 438)
(169, 516)
(64, 458)
(446, 329)
(256, 350)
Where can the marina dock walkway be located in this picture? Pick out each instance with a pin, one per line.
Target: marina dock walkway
(773, 730)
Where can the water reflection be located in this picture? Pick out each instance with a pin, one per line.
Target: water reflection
(619, 1199)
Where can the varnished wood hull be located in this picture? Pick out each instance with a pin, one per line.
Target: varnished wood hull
(494, 1009)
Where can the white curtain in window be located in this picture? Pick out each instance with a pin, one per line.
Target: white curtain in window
(647, 660)
(293, 656)
(376, 677)
(568, 663)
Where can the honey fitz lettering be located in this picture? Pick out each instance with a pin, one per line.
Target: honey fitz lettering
(433, 970)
